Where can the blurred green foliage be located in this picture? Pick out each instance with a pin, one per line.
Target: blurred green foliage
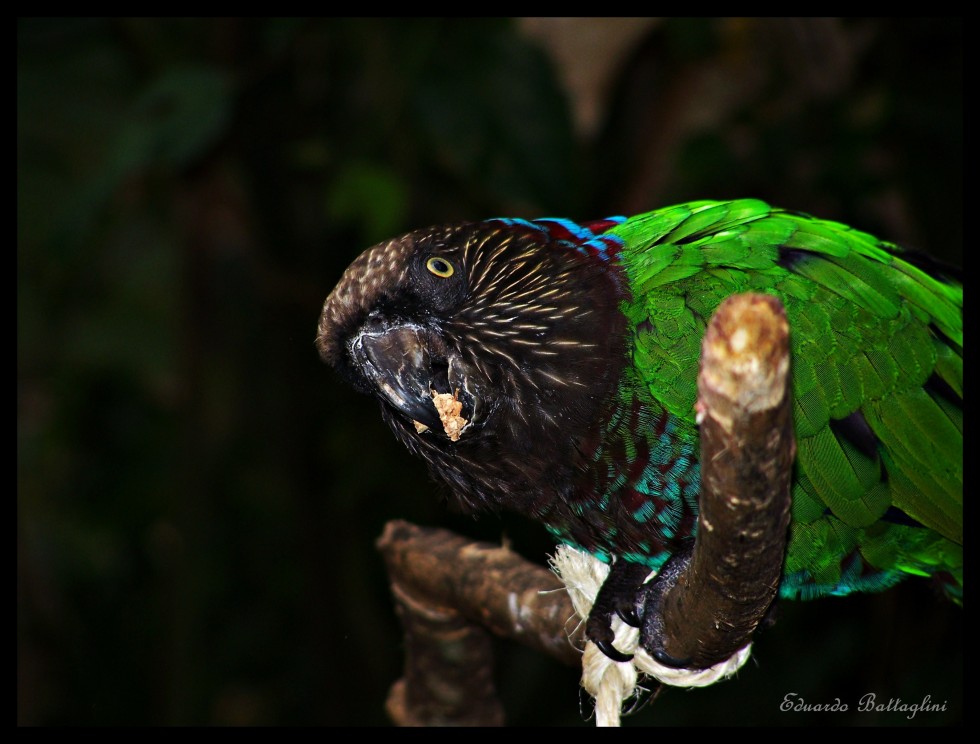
(198, 496)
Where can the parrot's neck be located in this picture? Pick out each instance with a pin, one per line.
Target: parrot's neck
(639, 498)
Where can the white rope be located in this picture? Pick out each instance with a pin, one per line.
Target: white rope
(610, 682)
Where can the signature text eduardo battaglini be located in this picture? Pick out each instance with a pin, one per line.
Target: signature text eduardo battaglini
(868, 703)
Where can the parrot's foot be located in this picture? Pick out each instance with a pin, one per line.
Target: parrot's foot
(650, 598)
(619, 595)
(641, 605)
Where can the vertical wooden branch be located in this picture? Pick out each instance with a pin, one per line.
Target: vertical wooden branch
(747, 450)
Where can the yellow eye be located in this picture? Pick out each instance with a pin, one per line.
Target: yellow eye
(440, 267)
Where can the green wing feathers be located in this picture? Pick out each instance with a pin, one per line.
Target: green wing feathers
(877, 348)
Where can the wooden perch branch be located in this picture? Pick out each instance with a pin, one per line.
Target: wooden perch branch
(449, 590)
(747, 450)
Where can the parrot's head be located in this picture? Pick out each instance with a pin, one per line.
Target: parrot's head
(491, 348)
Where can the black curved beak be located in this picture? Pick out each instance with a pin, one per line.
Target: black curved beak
(405, 366)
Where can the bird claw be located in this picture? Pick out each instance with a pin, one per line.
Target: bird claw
(617, 596)
(612, 652)
(629, 616)
(665, 659)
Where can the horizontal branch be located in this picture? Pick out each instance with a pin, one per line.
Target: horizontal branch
(449, 591)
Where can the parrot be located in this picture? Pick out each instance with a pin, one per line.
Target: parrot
(549, 367)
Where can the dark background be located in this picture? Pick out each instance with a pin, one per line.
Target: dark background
(198, 496)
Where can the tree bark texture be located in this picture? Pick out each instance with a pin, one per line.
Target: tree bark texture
(747, 450)
(449, 592)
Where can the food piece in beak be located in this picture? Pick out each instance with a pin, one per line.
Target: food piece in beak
(449, 408)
